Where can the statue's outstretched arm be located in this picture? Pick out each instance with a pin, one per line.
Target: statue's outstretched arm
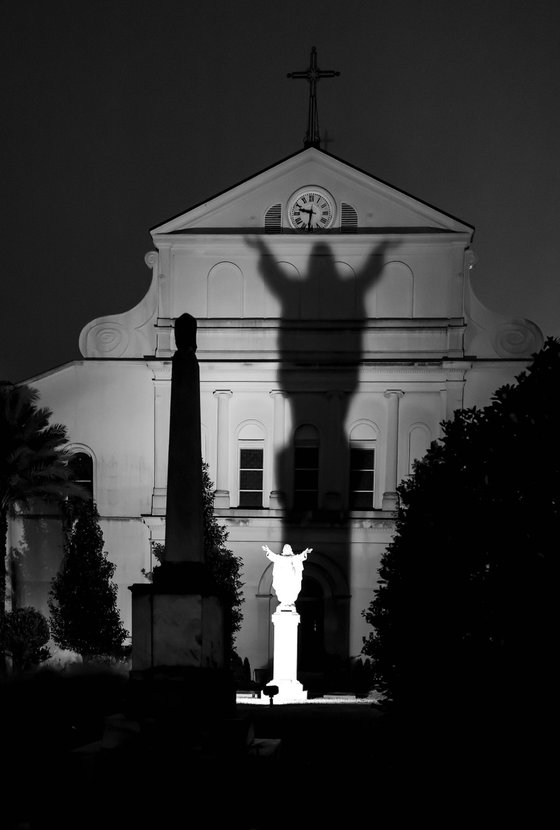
(306, 551)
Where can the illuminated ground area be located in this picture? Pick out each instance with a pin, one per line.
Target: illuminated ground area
(329, 699)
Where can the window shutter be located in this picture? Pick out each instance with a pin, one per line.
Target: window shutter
(273, 219)
(348, 217)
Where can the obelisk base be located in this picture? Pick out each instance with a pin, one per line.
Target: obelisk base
(178, 648)
(290, 690)
(175, 630)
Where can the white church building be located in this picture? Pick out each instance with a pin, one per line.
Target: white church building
(337, 328)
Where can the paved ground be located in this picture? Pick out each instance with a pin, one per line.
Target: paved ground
(337, 764)
(351, 759)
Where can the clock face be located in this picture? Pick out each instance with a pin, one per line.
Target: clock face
(310, 210)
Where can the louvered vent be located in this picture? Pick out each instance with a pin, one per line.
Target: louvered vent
(273, 219)
(348, 217)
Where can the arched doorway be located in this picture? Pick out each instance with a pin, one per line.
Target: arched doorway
(310, 606)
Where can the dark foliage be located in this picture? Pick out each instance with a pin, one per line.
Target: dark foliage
(33, 458)
(225, 567)
(82, 602)
(463, 616)
(24, 634)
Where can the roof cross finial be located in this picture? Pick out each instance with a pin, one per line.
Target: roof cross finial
(312, 74)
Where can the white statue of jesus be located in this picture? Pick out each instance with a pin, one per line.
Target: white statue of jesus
(287, 574)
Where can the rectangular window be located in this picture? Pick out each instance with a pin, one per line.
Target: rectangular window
(306, 478)
(362, 468)
(250, 477)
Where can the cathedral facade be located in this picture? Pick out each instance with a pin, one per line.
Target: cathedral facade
(337, 329)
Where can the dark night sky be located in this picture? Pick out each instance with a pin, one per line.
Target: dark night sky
(119, 115)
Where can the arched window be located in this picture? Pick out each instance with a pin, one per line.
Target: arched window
(306, 468)
(81, 471)
(362, 467)
(225, 290)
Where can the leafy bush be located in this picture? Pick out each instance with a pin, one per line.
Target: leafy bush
(24, 634)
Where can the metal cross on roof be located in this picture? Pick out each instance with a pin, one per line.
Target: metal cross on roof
(312, 74)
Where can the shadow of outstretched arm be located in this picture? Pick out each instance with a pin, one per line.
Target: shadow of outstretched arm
(376, 261)
(280, 283)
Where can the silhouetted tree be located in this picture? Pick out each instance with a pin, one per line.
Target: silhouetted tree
(463, 615)
(83, 599)
(24, 634)
(33, 460)
(224, 566)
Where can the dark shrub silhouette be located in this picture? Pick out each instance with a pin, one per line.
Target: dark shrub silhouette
(34, 459)
(83, 599)
(24, 634)
(463, 616)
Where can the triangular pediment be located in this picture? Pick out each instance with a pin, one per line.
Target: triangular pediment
(377, 205)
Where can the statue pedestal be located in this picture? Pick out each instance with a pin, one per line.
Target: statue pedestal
(290, 690)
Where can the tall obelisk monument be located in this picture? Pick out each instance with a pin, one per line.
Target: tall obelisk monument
(178, 621)
(184, 530)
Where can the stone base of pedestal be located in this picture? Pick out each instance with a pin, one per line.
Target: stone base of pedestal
(390, 501)
(286, 620)
(332, 501)
(221, 499)
(276, 500)
(159, 501)
(289, 691)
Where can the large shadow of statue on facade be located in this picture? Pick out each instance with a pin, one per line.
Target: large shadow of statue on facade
(318, 475)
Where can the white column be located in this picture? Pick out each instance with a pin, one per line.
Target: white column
(278, 441)
(284, 674)
(390, 496)
(162, 399)
(221, 496)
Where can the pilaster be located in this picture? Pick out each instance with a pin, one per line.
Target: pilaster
(336, 465)
(390, 496)
(162, 399)
(221, 495)
(278, 440)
